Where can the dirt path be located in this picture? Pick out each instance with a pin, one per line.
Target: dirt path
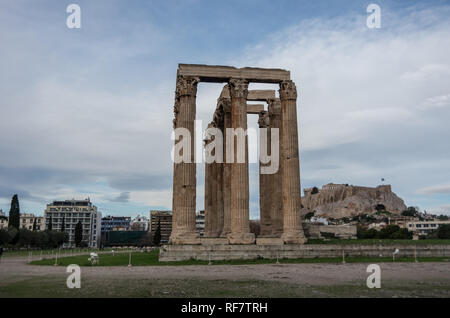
(308, 274)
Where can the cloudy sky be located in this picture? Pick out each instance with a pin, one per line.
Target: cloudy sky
(88, 112)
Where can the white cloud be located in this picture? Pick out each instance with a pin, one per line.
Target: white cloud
(437, 189)
(437, 101)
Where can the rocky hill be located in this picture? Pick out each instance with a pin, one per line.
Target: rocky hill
(341, 200)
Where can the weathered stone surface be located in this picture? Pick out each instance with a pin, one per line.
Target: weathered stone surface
(290, 165)
(233, 252)
(269, 241)
(260, 95)
(340, 200)
(222, 74)
(254, 108)
(225, 104)
(265, 183)
(184, 176)
(276, 207)
(240, 229)
(214, 240)
(340, 231)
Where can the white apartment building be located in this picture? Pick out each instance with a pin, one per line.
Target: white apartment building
(425, 227)
(27, 221)
(74, 211)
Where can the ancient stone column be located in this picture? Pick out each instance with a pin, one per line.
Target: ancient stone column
(240, 229)
(265, 181)
(184, 174)
(219, 124)
(225, 104)
(276, 205)
(219, 198)
(290, 165)
(210, 210)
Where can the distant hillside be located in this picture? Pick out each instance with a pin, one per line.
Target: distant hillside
(341, 200)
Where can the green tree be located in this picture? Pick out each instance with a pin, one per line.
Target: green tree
(314, 190)
(34, 225)
(78, 233)
(14, 213)
(157, 236)
(63, 225)
(50, 224)
(410, 211)
(443, 231)
(5, 238)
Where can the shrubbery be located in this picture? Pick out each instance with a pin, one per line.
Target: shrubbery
(393, 232)
(443, 231)
(26, 238)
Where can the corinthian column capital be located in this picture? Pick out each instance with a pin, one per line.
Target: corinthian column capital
(274, 106)
(238, 88)
(287, 90)
(186, 85)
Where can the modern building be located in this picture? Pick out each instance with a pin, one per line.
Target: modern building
(116, 223)
(425, 227)
(164, 218)
(139, 223)
(73, 211)
(200, 222)
(401, 221)
(26, 222)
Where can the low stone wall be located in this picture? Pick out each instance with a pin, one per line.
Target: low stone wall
(233, 252)
(339, 231)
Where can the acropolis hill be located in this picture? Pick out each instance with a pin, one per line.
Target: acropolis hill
(341, 200)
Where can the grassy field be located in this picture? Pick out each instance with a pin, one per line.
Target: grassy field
(376, 241)
(46, 253)
(151, 259)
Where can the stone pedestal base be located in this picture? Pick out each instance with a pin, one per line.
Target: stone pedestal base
(169, 253)
(188, 238)
(241, 238)
(293, 238)
(214, 241)
(269, 241)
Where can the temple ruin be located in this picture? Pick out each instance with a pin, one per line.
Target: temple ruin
(227, 181)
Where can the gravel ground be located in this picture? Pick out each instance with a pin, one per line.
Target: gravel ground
(304, 274)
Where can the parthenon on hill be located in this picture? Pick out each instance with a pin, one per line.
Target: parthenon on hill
(227, 182)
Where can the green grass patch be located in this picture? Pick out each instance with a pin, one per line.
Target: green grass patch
(151, 259)
(46, 252)
(378, 242)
